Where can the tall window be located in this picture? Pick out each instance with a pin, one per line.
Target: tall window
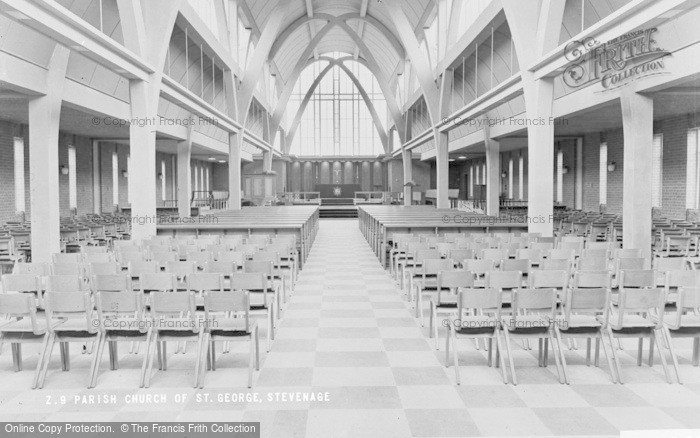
(521, 171)
(478, 174)
(72, 179)
(693, 173)
(115, 178)
(471, 181)
(336, 120)
(603, 193)
(510, 178)
(657, 170)
(483, 174)
(128, 172)
(162, 180)
(560, 176)
(206, 178)
(196, 177)
(19, 174)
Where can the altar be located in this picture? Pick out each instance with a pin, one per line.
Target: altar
(338, 190)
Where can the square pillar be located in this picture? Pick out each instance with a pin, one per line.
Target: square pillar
(96, 178)
(184, 178)
(638, 134)
(578, 203)
(442, 169)
(407, 158)
(540, 163)
(142, 179)
(493, 176)
(235, 142)
(267, 161)
(44, 116)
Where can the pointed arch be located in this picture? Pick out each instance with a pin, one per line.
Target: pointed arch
(304, 103)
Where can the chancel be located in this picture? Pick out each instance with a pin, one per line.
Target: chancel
(356, 218)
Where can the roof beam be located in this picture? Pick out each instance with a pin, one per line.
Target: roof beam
(312, 29)
(361, 26)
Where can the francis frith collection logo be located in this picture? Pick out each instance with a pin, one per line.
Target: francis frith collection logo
(615, 63)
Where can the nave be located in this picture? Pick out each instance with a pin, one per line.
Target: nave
(348, 337)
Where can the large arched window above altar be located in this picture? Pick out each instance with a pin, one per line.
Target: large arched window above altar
(336, 120)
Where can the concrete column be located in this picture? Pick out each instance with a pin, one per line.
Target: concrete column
(540, 163)
(578, 204)
(184, 178)
(44, 116)
(44, 120)
(442, 169)
(637, 126)
(96, 178)
(267, 161)
(493, 174)
(407, 158)
(235, 142)
(142, 180)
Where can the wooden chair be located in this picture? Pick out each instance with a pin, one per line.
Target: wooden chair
(483, 324)
(444, 302)
(228, 317)
(684, 323)
(175, 319)
(74, 312)
(533, 315)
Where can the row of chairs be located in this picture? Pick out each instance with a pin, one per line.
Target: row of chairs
(75, 314)
(507, 285)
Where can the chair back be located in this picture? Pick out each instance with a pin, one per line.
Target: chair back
(65, 283)
(522, 265)
(128, 303)
(592, 263)
(460, 254)
(555, 265)
(561, 253)
(67, 269)
(479, 267)
(433, 266)
(627, 253)
(67, 258)
(20, 283)
(592, 279)
(98, 257)
(260, 266)
(175, 305)
(548, 279)
(487, 300)
(651, 300)
(637, 278)
(70, 305)
(248, 281)
(111, 283)
(494, 254)
(161, 281)
(201, 282)
(19, 306)
(106, 268)
(163, 257)
(181, 268)
(34, 268)
(235, 303)
(454, 278)
(504, 279)
(218, 267)
(537, 301)
(237, 257)
(137, 269)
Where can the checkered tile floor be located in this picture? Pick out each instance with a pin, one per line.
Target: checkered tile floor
(347, 331)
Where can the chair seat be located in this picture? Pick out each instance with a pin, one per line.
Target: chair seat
(479, 324)
(578, 321)
(631, 321)
(76, 325)
(687, 321)
(25, 326)
(526, 323)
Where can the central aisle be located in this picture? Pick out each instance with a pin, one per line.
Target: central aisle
(347, 331)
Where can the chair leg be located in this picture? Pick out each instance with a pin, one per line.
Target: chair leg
(212, 355)
(501, 357)
(696, 352)
(489, 354)
(557, 333)
(455, 356)
(95, 359)
(659, 345)
(596, 356)
(616, 359)
(510, 358)
(155, 342)
(269, 330)
(145, 358)
(47, 360)
(203, 360)
(98, 357)
(640, 347)
(257, 349)
(608, 358)
(251, 360)
(200, 338)
(588, 352)
(669, 342)
(42, 357)
(431, 319)
(447, 347)
(651, 350)
(556, 351)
